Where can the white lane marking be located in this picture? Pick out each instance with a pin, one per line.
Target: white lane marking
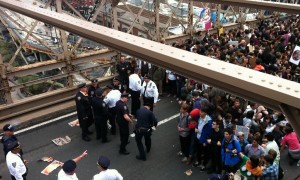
(161, 122)
(45, 123)
(167, 119)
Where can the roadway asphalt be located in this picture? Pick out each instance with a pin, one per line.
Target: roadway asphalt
(162, 161)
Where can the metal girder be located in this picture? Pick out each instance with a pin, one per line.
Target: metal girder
(62, 33)
(43, 100)
(55, 77)
(190, 28)
(114, 15)
(259, 87)
(2, 13)
(291, 113)
(136, 17)
(6, 94)
(157, 36)
(257, 4)
(91, 20)
(55, 64)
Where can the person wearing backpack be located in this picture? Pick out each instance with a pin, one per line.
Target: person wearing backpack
(230, 150)
(184, 132)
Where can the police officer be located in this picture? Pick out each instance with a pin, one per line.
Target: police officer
(135, 87)
(149, 92)
(92, 88)
(15, 163)
(123, 67)
(100, 109)
(118, 85)
(143, 128)
(112, 96)
(8, 137)
(84, 111)
(123, 120)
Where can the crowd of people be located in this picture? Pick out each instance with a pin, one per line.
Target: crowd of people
(210, 118)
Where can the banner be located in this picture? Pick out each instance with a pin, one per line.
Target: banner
(205, 17)
(295, 58)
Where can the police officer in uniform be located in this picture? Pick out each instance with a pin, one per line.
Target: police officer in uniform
(149, 92)
(123, 120)
(100, 109)
(15, 163)
(112, 96)
(8, 137)
(84, 111)
(118, 85)
(143, 128)
(135, 87)
(123, 67)
(92, 88)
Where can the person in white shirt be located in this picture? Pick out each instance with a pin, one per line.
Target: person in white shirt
(111, 98)
(149, 92)
(171, 81)
(16, 165)
(105, 173)
(135, 87)
(68, 169)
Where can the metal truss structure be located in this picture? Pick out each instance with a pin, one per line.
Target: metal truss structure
(273, 92)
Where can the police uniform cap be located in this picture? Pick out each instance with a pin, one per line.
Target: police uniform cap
(12, 145)
(125, 95)
(109, 86)
(103, 162)
(94, 81)
(99, 92)
(82, 85)
(69, 166)
(116, 79)
(146, 76)
(8, 127)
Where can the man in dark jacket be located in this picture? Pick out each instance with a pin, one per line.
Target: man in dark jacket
(145, 121)
(100, 109)
(84, 111)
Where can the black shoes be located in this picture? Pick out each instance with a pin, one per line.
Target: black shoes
(124, 152)
(86, 138)
(140, 158)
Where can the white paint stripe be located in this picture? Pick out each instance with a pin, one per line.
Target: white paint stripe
(162, 122)
(46, 122)
(167, 119)
(73, 113)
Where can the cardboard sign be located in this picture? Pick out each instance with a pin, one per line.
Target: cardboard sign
(51, 167)
(74, 123)
(236, 43)
(61, 140)
(295, 58)
(243, 129)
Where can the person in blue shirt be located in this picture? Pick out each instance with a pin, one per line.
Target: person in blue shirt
(271, 170)
(230, 150)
